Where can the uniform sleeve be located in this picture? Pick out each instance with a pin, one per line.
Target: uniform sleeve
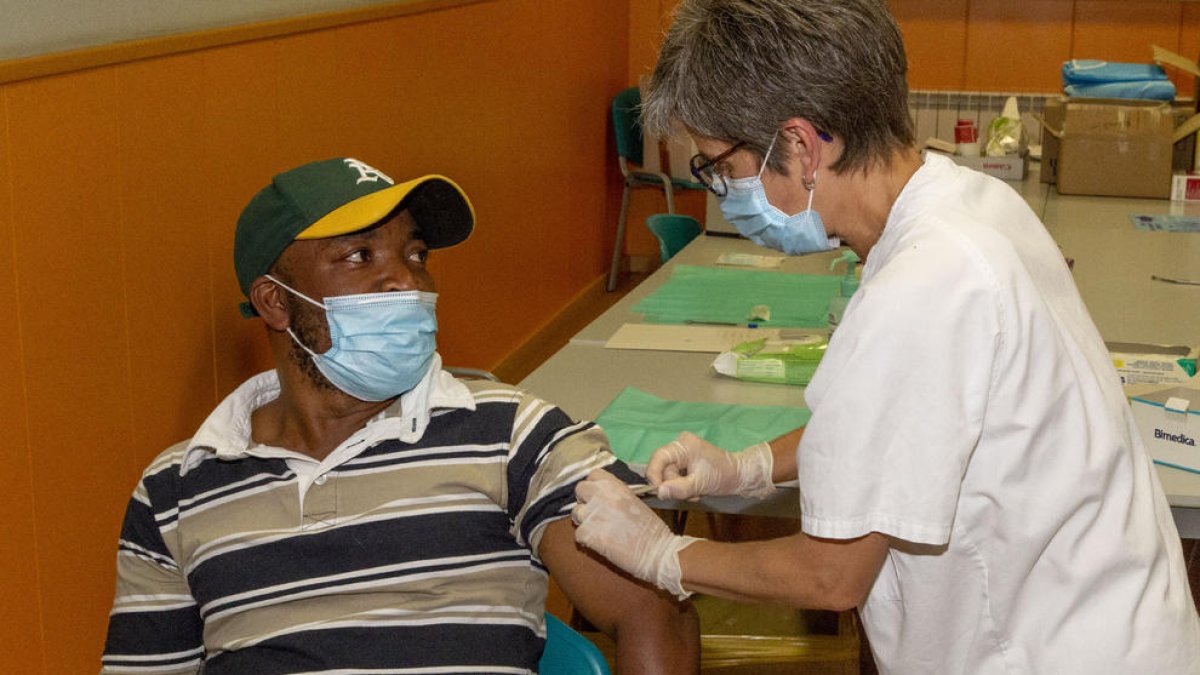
(549, 454)
(155, 626)
(899, 399)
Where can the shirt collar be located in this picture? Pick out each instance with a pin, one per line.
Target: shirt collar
(226, 434)
(935, 173)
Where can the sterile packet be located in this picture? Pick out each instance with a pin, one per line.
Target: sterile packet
(791, 360)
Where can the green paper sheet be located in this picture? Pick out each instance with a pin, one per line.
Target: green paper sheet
(722, 295)
(638, 423)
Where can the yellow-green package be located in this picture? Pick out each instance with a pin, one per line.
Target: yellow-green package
(791, 360)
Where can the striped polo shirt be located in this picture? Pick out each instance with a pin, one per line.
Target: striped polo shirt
(411, 548)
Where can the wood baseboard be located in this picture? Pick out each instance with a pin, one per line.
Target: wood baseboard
(555, 333)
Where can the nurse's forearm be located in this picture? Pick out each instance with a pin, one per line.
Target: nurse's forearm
(799, 570)
(783, 454)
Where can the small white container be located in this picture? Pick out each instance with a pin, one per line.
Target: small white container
(967, 149)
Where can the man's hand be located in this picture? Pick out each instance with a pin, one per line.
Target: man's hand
(617, 525)
(690, 467)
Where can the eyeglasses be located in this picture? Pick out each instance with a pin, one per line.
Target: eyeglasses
(705, 170)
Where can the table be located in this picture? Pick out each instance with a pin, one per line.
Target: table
(1113, 263)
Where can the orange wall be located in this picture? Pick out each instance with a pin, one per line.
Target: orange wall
(119, 188)
(1020, 45)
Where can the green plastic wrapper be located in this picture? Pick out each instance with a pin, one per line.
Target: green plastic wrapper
(785, 361)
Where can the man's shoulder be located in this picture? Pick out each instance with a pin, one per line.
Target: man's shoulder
(481, 385)
(162, 472)
(489, 391)
(168, 460)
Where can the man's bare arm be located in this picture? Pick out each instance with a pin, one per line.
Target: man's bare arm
(653, 632)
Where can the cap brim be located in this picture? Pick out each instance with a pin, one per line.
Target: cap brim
(438, 205)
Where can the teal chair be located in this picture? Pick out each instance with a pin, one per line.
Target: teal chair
(627, 128)
(674, 231)
(569, 653)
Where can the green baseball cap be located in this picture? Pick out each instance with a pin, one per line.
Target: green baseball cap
(335, 197)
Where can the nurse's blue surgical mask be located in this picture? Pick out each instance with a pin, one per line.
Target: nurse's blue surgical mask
(382, 343)
(746, 207)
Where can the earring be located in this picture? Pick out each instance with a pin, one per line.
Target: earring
(809, 183)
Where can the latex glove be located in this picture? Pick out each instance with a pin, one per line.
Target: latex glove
(690, 467)
(616, 524)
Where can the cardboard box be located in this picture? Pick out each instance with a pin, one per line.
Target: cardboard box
(1052, 121)
(1186, 151)
(1009, 167)
(1115, 147)
(1185, 187)
(1166, 57)
(1169, 424)
(1139, 363)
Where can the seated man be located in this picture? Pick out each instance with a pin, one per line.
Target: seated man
(358, 509)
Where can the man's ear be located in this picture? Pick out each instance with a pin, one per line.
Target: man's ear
(267, 298)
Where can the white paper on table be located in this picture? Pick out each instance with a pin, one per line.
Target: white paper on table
(750, 260)
(675, 338)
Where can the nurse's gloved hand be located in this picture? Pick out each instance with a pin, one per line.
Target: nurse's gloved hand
(690, 467)
(616, 524)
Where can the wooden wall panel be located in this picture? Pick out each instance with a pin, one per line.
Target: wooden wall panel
(20, 605)
(587, 152)
(935, 38)
(1017, 45)
(648, 21)
(165, 269)
(487, 125)
(241, 106)
(70, 265)
(1189, 45)
(1123, 31)
(338, 101)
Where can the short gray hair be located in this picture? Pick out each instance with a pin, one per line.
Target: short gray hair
(735, 70)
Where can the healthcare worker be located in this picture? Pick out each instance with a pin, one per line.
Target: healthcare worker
(971, 478)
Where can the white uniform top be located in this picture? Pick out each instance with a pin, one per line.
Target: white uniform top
(967, 408)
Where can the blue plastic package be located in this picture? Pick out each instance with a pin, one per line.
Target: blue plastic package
(1079, 71)
(1151, 89)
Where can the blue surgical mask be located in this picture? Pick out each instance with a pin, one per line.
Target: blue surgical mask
(382, 343)
(746, 207)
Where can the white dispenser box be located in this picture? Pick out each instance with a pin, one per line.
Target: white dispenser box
(1169, 422)
(1146, 364)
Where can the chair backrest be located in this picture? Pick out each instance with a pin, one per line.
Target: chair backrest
(627, 124)
(674, 231)
(569, 653)
(470, 373)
